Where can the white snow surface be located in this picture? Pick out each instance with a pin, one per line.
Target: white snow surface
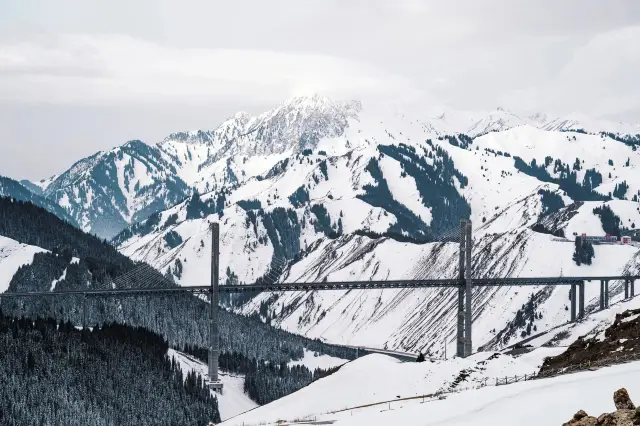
(379, 378)
(233, 401)
(13, 255)
(593, 325)
(312, 360)
(551, 401)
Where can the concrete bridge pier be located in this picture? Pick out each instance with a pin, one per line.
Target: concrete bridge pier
(461, 289)
(214, 339)
(573, 302)
(606, 293)
(633, 293)
(468, 318)
(581, 300)
(601, 295)
(626, 289)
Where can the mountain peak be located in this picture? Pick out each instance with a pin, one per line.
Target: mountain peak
(320, 102)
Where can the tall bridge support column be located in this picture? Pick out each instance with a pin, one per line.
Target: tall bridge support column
(214, 340)
(606, 293)
(601, 295)
(581, 300)
(573, 302)
(460, 316)
(633, 293)
(626, 289)
(84, 311)
(468, 317)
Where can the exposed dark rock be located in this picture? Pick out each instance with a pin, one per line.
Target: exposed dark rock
(621, 340)
(625, 415)
(622, 400)
(581, 419)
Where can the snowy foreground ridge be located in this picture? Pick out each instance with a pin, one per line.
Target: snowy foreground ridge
(539, 402)
(377, 389)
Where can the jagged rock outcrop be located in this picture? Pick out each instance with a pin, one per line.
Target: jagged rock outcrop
(618, 342)
(622, 400)
(626, 414)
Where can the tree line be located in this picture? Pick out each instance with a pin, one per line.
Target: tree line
(265, 380)
(54, 374)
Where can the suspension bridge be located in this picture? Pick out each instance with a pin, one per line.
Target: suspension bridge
(155, 283)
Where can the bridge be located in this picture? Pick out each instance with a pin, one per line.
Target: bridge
(465, 283)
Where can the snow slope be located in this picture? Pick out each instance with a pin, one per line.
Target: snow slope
(313, 360)
(593, 324)
(233, 401)
(13, 255)
(378, 378)
(539, 402)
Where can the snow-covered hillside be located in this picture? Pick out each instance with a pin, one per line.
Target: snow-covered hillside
(377, 389)
(108, 191)
(13, 255)
(233, 401)
(556, 400)
(378, 378)
(377, 196)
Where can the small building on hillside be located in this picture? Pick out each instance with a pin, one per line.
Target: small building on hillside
(599, 239)
(608, 239)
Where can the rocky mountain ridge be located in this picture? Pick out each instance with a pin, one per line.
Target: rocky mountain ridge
(320, 190)
(111, 190)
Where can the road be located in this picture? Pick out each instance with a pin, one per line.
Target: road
(403, 356)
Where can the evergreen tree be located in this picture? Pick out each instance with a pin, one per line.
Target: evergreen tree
(610, 221)
(54, 374)
(583, 252)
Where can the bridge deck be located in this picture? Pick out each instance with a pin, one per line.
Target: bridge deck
(340, 285)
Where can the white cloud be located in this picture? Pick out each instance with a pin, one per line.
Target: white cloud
(166, 66)
(84, 69)
(599, 78)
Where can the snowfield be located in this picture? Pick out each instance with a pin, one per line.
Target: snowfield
(13, 255)
(370, 390)
(378, 378)
(233, 400)
(533, 403)
(312, 361)
(556, 399)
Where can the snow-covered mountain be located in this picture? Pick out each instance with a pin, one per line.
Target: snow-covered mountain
(13, 255)
(319, 190)
(26, 192)
(316, 189)
(108, 191)
(112, 190)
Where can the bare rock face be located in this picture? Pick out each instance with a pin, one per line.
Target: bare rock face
(626, 414)
(617, 418)
(622, 400)
(581, 419)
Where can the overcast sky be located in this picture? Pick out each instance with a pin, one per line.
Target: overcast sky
(77, 76)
